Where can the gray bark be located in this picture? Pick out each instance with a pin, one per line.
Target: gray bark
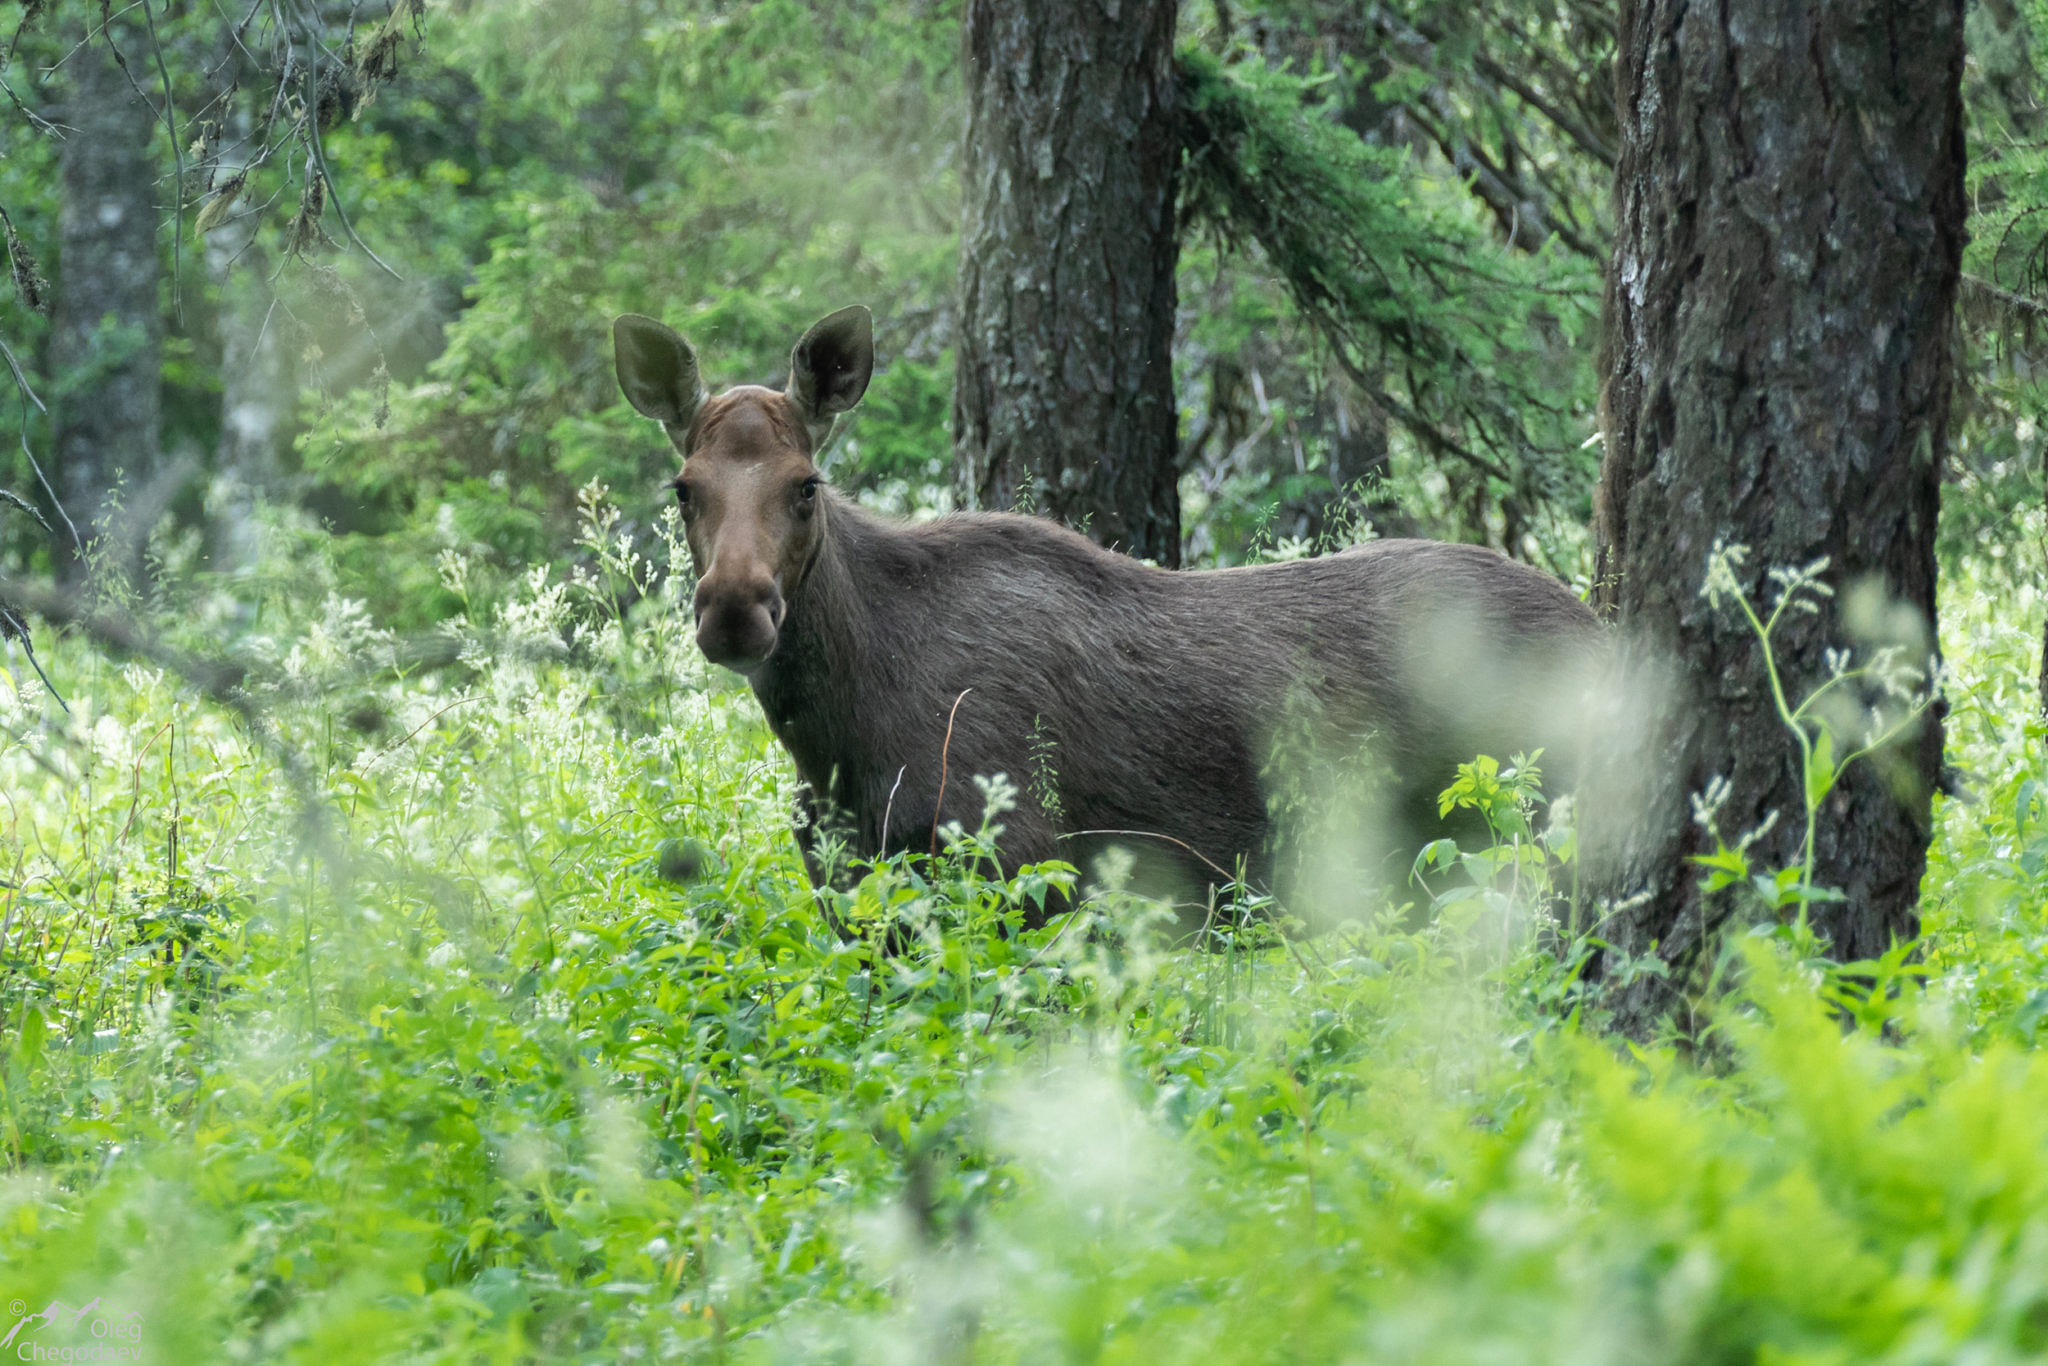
(1064, 397)
(106, 328)
(258, 388)
(1789, 221)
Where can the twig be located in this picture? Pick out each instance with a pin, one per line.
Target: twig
(235, 30)
(389, 750)
(945, 756)
(1155, 835)
(218, 679)
(12, 627)
(320, 154)
(28, 396)
(79, 46)
(2019, 303)
(9, 496)
(20, 378)
(178, 161)
(889, 807)
(36, 121)
(135, 801)
(334, 198)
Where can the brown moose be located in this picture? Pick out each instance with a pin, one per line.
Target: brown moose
(1148, 700)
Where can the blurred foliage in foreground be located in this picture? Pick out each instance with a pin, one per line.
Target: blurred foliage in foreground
(509, 1030)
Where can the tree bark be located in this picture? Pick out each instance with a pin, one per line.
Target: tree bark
(258, 390)
(1063, 399)
(106, 329)
(1789, 221)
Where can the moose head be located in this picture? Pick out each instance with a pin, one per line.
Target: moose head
(749, 483)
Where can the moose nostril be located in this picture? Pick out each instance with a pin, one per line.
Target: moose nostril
(715, 602)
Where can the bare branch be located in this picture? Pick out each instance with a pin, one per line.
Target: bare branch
(16, 500)
(178, 160)
(2006, 298)
(312, 99)
(28, 396)
(12, 627)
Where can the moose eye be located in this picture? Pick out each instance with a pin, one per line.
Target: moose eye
(808, 490)
(682, 494)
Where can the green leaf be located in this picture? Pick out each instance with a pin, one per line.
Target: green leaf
(1435, 856)
(34, 1029)
(1820, 768)
(1725, 867)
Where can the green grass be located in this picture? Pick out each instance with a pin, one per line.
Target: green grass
(440, 1066)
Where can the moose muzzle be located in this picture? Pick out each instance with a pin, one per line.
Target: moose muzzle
(737, 623)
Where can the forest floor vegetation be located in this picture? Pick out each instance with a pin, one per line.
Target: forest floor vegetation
(515, 1032)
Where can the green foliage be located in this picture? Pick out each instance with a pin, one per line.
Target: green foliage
(459, 995)
(527, 1039)
(1423, 187)
(737, 173)
(1400, 288)
(1998, 445)
(1832, 727)
(531, 168)
(1985, 898)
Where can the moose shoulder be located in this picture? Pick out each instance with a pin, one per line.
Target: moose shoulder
(1133, 705)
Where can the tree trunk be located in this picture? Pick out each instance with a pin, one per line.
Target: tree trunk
(258, 390)
(1789, 224)
(1064, 399)
(107, 325)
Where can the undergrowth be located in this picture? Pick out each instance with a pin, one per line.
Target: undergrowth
(515, 1032)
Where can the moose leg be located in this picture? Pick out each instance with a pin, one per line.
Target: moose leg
(1026, 836)
(804, 826)
(824, 837)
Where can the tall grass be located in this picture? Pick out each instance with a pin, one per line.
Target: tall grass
(526, 1039)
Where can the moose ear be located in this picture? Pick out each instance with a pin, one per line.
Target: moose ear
(830, 367)
(657, 369)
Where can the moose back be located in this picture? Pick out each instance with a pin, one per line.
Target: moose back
(1131, 705)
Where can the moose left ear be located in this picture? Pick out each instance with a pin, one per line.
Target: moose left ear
(830, 367)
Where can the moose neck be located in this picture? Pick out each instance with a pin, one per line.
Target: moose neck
(807, 687)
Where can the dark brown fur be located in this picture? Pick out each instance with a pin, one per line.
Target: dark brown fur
(1160, 693)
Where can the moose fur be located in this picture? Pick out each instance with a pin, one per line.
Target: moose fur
(1130, 705)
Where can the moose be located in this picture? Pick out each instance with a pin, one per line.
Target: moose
(894, 660)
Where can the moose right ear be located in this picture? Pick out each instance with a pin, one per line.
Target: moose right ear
(657, 370)
(830, 367)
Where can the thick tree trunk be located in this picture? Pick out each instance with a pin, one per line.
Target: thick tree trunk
(1064, 396)
(106, 330)
(1789, 224)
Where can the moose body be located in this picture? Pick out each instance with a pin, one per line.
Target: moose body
(1130, 705)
